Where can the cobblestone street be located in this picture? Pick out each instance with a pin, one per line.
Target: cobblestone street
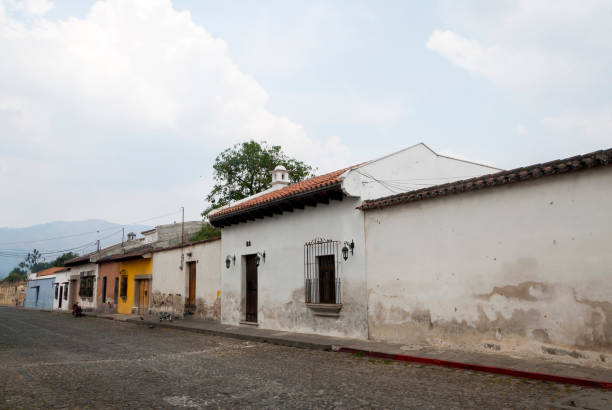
(55, 360)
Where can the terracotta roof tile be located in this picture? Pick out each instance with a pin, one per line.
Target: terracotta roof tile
(560, 166)
(50, 271)
(302, 187)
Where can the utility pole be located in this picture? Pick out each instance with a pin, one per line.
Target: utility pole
(122, 236)
(98, 245)
(183, 225)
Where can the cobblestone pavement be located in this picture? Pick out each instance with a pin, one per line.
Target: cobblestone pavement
(54, 360)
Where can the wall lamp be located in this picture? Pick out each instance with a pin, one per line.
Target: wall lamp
(229, 259)
(345, 249)
(260, 256)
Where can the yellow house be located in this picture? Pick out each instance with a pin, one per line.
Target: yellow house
(134, 281)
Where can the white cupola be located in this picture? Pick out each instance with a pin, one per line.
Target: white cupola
(280, 177)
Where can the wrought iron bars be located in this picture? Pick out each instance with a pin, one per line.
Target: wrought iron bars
(321, 275)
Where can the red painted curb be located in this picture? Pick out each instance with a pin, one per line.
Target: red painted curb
(481, 368)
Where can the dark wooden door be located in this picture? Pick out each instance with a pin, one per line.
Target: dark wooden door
(104, 290)
(251, 289)
(61, 288)
(192, 284)
(327, 279)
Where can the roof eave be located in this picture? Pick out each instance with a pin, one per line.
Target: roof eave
(220, 220)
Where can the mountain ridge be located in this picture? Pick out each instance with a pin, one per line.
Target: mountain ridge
(59, 236)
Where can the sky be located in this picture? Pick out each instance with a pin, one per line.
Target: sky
(116, 109)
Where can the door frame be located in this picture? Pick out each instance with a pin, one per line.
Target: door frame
(250, 315)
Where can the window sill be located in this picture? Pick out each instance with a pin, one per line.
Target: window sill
(325, 309)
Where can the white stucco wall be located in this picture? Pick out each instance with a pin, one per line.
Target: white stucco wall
(281, 277)
(522, 267)
(86, 303)
(412, 168)
(62, 279)
(170, 284)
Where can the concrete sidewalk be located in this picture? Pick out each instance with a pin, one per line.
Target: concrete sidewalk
(487, 362)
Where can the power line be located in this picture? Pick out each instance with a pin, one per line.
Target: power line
(88, 233)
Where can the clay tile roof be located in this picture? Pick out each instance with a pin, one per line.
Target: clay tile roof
(593, 160)
(50, 271)
(289, 191)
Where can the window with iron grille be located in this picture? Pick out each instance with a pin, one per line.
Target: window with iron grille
(86, 287)
(321, 276)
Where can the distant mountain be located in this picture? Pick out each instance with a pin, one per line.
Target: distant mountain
(59, 236)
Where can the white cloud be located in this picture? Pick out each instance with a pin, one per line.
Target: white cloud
(508, 66)
(522, 130)
(128, 77)
(38, 7)
(594, 125)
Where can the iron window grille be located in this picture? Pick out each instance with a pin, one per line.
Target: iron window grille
(321, 274)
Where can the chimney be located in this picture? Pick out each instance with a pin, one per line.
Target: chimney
(280, 177)
(131, 236)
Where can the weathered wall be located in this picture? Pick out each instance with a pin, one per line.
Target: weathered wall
(524, 267)
(132, 268)
(170, 284)
(110, 270)
(45, 294)
(281, 277)
(12, 293)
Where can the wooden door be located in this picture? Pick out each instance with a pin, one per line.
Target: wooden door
(143, 295)
(61, 296)
(327, 279)
(192, 285)
(251, 289)
(73, 292)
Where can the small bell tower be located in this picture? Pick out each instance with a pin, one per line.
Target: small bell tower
(280, 177)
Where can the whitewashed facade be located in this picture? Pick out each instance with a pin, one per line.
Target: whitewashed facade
(521, 268)
(281, 227)
(171, 279)
(61, 296)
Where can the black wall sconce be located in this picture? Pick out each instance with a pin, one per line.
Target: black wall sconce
(229, 259)
(345, 249)
(260, 256)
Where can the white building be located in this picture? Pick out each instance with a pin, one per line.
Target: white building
(518, 262)
(83, 282)
(294, 256)
(188, 278)
(61, 291)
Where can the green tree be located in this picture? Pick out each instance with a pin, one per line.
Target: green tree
(16, 275)
(207, 231)
(244, 170)
(60, 260)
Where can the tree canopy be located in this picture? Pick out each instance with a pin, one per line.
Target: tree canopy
(33, 263)
(244, 170)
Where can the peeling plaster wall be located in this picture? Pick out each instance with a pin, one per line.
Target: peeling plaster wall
(170, 285)
(525, 267)
(281, 277)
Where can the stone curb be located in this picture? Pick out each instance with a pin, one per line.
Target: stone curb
(388, 356)
(253, 338)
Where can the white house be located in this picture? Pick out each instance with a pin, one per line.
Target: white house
(61, 291)
(187, 278)
(294, 256)
(518, 261)
(83, 282)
